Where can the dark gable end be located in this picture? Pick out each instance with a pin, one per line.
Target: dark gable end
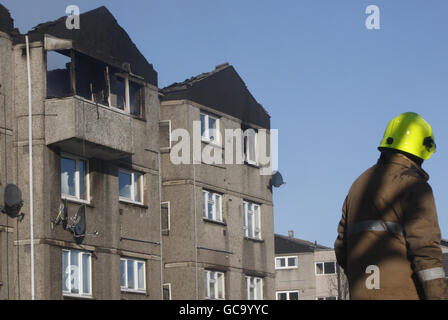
(6, 22)
(223, 90)
(100, 37)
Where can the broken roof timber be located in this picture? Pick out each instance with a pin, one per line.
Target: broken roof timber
(100, 37)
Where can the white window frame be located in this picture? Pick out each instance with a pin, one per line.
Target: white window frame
(169, 214)
(247, 155)
(254, 215)
(257, 281)
(216, 216)
(287, 294)
(287, 266)
(323, 268)
(168, 285)
(206, 136)
(140, 181)
(80, 274)
(77, 197)
(219, 276)
(126, 288)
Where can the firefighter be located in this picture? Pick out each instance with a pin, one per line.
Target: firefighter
(388, 237)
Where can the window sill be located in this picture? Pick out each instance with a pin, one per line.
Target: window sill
(215, 144)
(77, 296)
(142, 292)
(133, 203)
(254, 239)
(286, 268)
(253, 165)
(77, 201)
(222, 223)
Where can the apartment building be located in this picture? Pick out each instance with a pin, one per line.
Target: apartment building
(114, 217)
(307, 271)
(95, 155)
(218, 240)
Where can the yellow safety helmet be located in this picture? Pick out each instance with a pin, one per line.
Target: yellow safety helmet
(410, 133)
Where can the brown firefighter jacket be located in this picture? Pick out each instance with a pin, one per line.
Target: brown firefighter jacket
(389, 221)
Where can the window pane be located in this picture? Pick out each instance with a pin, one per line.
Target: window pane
(65, 271)
(131, 274)
(212, 284)
(137, 187)
(141, 275)
(203, 129)
(250, 225)
(85, 273)
(74, 271)
(212, 128)
(68, 168)
(210, 206)
(204, 204)
(123, 273)
(292, 262)
(218, 207)
(221, 286)
(117, 90)
(259, 289)
(82, 179)
(319, 268)
(293, 296)
(282, 296)
(282, 262)
(135, 94)
(329, 268)
(124, 181)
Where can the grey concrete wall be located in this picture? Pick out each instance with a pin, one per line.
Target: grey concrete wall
(222, 246)
(139, 222)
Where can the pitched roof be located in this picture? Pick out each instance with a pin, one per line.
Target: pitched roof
(223, 90)
(6, 22)
(100, 37)
(285, 244)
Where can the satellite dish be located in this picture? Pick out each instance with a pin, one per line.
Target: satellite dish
(276, 180)
(80, 221)
(62, 216)
(78, 225)
(13, 201)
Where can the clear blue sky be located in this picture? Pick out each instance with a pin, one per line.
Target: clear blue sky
(329, 84)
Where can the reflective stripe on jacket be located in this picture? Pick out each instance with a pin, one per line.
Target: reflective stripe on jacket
(389, 220)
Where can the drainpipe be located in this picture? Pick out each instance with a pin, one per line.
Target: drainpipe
(195, 232)
(30, 146)
(161, 235)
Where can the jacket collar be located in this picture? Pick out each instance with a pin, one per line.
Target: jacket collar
(402, 160)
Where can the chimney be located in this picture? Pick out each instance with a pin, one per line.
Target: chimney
(291, 234)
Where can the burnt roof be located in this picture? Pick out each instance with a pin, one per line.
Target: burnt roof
(285, 244)
(100, 37)
(223, 90)
(6, 22)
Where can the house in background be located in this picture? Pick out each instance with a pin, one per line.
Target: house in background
(220, 240)
(307, 271)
